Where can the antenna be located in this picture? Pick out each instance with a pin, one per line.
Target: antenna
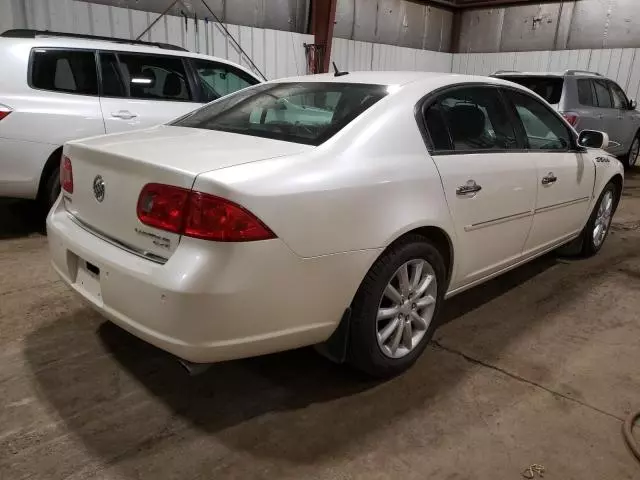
(338, 73)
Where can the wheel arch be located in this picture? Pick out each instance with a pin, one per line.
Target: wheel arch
(438, 236)
(618, 181)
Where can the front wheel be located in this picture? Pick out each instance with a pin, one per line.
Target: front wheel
(599, 224)
(394, 310)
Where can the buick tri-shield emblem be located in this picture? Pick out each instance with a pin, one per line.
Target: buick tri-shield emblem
(98, 188)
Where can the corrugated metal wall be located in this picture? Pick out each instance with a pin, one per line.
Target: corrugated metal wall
(619, 64)
(394, 22)
(354, 55)
(559, 25)
(277, 53)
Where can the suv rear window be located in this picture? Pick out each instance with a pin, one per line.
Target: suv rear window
(302, 112)
(549, 88)
(67, 71)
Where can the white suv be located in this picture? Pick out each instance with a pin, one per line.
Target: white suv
(57, 87)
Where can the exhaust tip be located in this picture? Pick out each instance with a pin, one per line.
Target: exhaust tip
(194, 369)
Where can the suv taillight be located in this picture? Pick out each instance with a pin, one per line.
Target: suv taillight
(570, 117)
(199, 215)
(66, 175)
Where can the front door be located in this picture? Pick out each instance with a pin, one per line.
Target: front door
(140, 91)
(565, 177)
(489, 185)
(625, 123)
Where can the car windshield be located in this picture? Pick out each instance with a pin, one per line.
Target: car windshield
(549, 88)
(301, 112)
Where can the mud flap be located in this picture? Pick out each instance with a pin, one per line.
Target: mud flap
(335, 347)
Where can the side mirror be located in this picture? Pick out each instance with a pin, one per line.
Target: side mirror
(632, 104)
(593, 139)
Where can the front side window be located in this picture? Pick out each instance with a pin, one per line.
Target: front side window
(602, 94)
(620, 100)
(475, 119)
(585, 93)
(543, 129)
(219, 79)
(67, 71)
(155, 77)
(301, 112)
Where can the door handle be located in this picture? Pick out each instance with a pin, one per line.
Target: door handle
(549, 179)
(468, 189)
(124, 114)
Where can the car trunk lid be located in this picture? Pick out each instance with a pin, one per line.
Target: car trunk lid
(110, 171)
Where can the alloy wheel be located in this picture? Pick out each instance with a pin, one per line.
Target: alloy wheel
(406, 308)
(603, 219)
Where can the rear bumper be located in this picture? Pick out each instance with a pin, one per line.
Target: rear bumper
(210, 301)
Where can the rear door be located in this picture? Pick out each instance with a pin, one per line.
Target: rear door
(565, 178)
(589, 115)
(142, 90)
(608, 114)
(489, 181)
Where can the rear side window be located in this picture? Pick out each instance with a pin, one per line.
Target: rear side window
(549, 88)
(218, 79)
(620, 100)
(602, 94)
(475, 119)
(585, 93)
(437, 128)
(300, 112)
(68, 71)
(155, 77)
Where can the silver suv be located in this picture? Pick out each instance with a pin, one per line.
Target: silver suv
(589, 101)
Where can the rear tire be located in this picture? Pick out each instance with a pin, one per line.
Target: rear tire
(597, 229)
(389, 330)
(50, 190)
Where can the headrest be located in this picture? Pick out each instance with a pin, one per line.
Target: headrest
(172, 85)
(466, 121)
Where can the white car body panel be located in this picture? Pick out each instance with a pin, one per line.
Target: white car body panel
(42, 121)
(334, 209)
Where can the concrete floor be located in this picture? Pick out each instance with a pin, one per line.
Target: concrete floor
(538, 366)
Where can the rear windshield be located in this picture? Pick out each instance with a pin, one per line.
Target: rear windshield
(302, 112)
(549, 88)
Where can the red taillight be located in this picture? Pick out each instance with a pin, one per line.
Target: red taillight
(199, 215)
(4, 112)
(163, 206)
(214, 218)
(66, 175)
(570, 117)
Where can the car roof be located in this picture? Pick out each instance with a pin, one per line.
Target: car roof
(428, 80)
(568, 73)
(44, 41)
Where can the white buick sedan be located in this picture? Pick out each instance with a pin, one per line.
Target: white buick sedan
(337, 211)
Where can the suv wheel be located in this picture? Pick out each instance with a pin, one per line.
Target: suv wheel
(394, 311)
(51, 190)
(634, 153)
